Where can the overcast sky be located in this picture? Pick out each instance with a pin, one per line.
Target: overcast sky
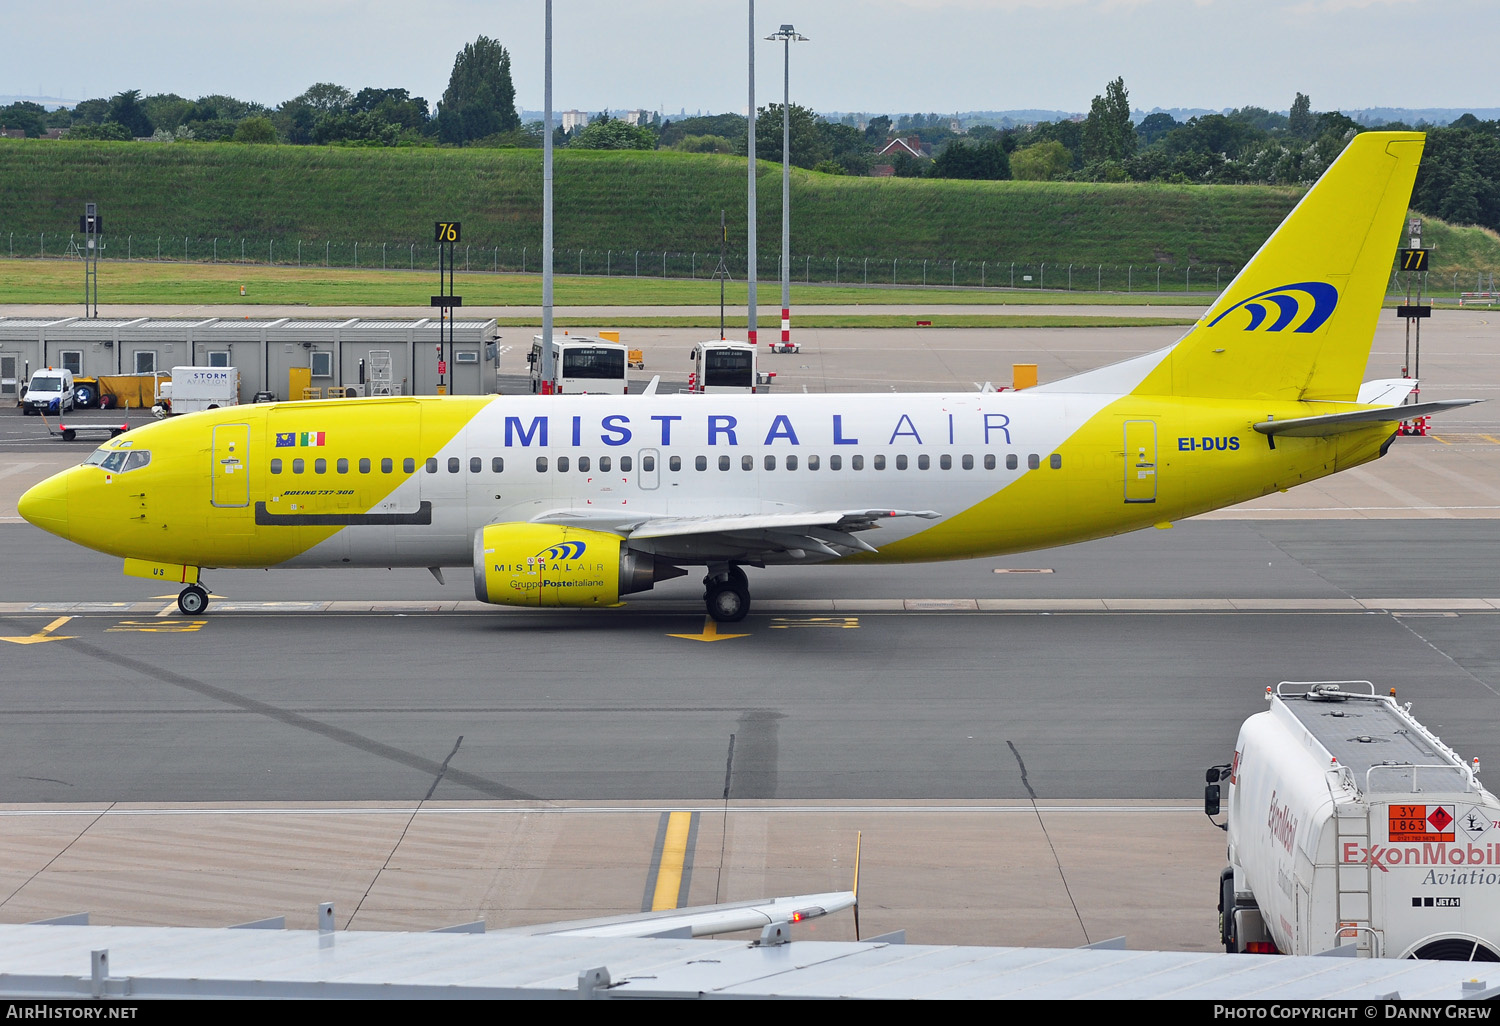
(862, 55)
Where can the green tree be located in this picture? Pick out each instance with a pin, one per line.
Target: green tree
(964, 160)
(1301, 123)
(320, 97)
(111, 130)
(1108, 133)
(878, 131)
(30, 117)
(808, 146)
(255, 130)
(1155, 126)
(125, 109)
(1040, 162)
(480, 99)
(608, 133)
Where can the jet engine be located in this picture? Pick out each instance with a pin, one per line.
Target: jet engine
(525, 564)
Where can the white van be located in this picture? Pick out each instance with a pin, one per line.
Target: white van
(50, 391)
(580, 364)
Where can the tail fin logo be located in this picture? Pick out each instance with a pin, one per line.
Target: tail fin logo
(563, 552)
(1289, 301)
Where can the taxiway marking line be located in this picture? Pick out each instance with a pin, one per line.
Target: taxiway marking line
(673, 856)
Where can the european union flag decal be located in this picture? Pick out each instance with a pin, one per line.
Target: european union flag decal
(285, 438)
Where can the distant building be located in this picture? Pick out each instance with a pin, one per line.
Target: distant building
(882, 170)
(911, 146)
(636, 117)
(574, 119)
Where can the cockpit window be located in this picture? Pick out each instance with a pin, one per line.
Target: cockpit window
(119, 460)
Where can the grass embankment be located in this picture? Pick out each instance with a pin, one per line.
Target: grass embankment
(620, 201)
(617, 208)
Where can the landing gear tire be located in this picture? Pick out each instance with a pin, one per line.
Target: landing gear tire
(193, 600)
(727, 601)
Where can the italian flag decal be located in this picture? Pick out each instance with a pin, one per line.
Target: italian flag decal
(312, 438)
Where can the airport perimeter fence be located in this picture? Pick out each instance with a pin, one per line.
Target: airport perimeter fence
(700, 265)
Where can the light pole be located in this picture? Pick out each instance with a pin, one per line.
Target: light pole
(750, 269)
(786, 34)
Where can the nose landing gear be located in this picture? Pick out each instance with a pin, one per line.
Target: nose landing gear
(726, 593)
(193, 600)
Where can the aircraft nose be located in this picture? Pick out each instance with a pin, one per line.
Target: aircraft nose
(46, 505)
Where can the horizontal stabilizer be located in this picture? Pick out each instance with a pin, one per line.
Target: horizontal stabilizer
(1338, 423)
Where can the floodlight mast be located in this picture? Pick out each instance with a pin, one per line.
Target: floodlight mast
(546, 368)
(750, 271)
(786, 34)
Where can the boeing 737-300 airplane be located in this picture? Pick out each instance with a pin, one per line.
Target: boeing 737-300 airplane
(578, 500)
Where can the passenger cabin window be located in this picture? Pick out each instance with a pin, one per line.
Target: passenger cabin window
(387, 465)
(1010, 461)
(562, 464)
(541, 464)
(364, 465)
(791, 463)
(812, 463)
(432, 464)
(409, 465)
(747, 462)
(835, 462)
(1056, 460)
(879, 463)
(453, 464)
(674, 463)
(924, 462)
(701, 462)
(475, 464)
(770, 462)
(968, 461)
(901, 462)
(320, 465)
(945, 461)
(583, 464)
(343, 466)
(497, 465)
(275, 465)
(856, 463)
(605, 463)
(297, 465)
(989, 461)
(1033, 461)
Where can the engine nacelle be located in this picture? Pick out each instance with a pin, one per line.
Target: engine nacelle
(525, 564)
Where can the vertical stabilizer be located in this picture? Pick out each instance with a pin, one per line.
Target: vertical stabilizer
(1297, 322)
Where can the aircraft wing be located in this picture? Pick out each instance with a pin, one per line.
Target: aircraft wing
(1338, 423)
(700, 921)
(749, 536)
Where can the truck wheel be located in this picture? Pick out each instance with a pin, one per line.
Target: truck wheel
(84, 396)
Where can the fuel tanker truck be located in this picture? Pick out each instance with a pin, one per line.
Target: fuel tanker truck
(1354, 830)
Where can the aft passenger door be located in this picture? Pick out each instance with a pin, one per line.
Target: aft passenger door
(1140, 461)
(650, 469)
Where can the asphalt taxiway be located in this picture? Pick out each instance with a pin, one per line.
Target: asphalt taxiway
(1023, 750)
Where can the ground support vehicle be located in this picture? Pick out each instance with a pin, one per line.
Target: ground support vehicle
(1352, 826)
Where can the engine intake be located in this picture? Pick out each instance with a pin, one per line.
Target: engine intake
(525, 564)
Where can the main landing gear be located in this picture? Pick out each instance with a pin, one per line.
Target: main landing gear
(193, 600)
(726, 593)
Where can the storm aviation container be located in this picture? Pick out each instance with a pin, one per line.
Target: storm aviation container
(1351, 825)
(193, 389)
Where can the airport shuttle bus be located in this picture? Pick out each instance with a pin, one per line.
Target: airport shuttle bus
(580, 363)
(723, 367)
(579, 500)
